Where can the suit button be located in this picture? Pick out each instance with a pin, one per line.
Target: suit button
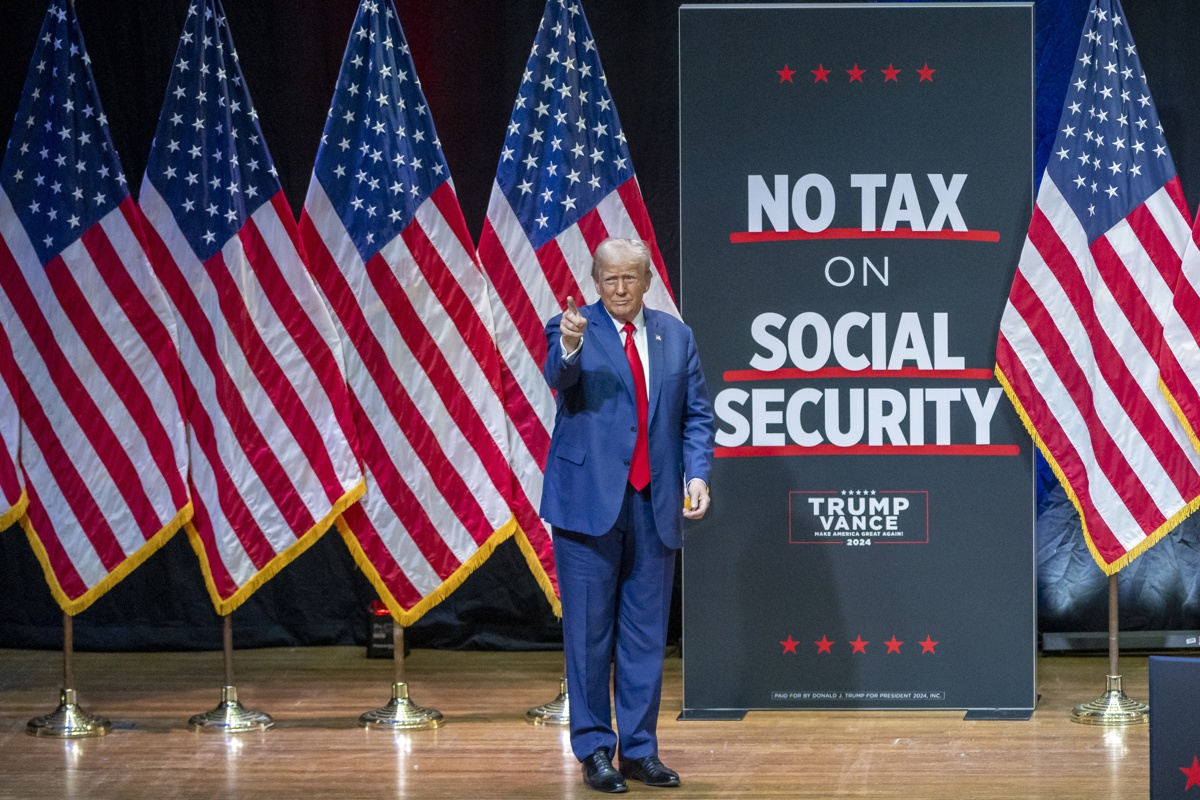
(634, 429)
(627, 463)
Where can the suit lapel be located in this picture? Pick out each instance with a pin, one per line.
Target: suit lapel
(654, 347)
(610, 343)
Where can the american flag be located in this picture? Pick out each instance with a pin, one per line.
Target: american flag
(1085, 316)
(565, 182)
(388, 246)
(87, 351)
(270, 429)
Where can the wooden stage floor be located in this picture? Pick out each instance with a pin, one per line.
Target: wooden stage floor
(487, 750)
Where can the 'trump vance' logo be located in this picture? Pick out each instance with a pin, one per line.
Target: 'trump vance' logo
(858, 517)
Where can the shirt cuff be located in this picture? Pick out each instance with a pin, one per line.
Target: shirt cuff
(571, 356)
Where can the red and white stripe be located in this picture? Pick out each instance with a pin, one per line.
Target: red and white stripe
(1179, 357)
(1077, 350)
(96, 376)
(12, 484)
(528, 288)
(269, 422)
(424, 377)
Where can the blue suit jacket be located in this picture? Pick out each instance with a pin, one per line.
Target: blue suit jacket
(596, 424)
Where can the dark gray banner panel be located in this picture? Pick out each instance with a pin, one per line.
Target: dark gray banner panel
(856, 185)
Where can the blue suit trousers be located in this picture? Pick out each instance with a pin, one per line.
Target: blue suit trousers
(616, 599)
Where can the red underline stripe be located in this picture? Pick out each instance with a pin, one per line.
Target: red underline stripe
(842, 372)
(744, 237)
(750, 451)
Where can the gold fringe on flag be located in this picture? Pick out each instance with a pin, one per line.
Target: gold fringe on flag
(1142, 546)
(226, 606)
(152, 546)
(10, 517)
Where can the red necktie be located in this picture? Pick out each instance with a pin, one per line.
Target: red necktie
(639, 467)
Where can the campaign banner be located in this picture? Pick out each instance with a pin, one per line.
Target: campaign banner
(856, 182)
(1174, 738)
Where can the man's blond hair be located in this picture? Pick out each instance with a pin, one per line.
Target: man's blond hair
(614, 250)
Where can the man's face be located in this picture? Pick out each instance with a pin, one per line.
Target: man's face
(621, 285)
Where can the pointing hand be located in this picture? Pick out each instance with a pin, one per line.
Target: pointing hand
(572, 326)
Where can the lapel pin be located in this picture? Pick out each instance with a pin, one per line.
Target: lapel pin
(658, 336)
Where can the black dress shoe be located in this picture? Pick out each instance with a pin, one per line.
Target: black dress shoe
(650, 771)
(599, 774)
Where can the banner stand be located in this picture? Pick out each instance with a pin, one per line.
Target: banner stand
(68, 721)
(400, 713)
(1114, 707)
(712, 714)
(998, 714)
(874, 548)
(230, 716)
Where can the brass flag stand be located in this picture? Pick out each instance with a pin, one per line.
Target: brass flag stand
(1114, 707)
(556, 712)
(68, 721)
(230, 716)
(400, 713)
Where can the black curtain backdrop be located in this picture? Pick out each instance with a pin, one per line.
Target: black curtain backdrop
(470, 55)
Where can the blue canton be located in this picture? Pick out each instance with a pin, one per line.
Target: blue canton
(1110, 154)
(209, 160)
(565, 150)
(380, 157)
(60, 169)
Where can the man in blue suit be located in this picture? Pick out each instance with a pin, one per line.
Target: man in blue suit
(629, 458)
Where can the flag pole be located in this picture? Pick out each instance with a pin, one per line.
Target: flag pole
(230, 716)
(400, 713)
(68, 721)
(1114, 707)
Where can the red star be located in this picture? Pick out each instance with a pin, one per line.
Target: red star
(928, 645)
(926, 73)
(824, 645)
(821, 73)
(856, 74)
(789, 644)
(1193, 773)
(890, 74)
(785, 74)
(894, 645)
(859, 645)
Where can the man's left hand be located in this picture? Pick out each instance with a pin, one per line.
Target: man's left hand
(697, 499)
